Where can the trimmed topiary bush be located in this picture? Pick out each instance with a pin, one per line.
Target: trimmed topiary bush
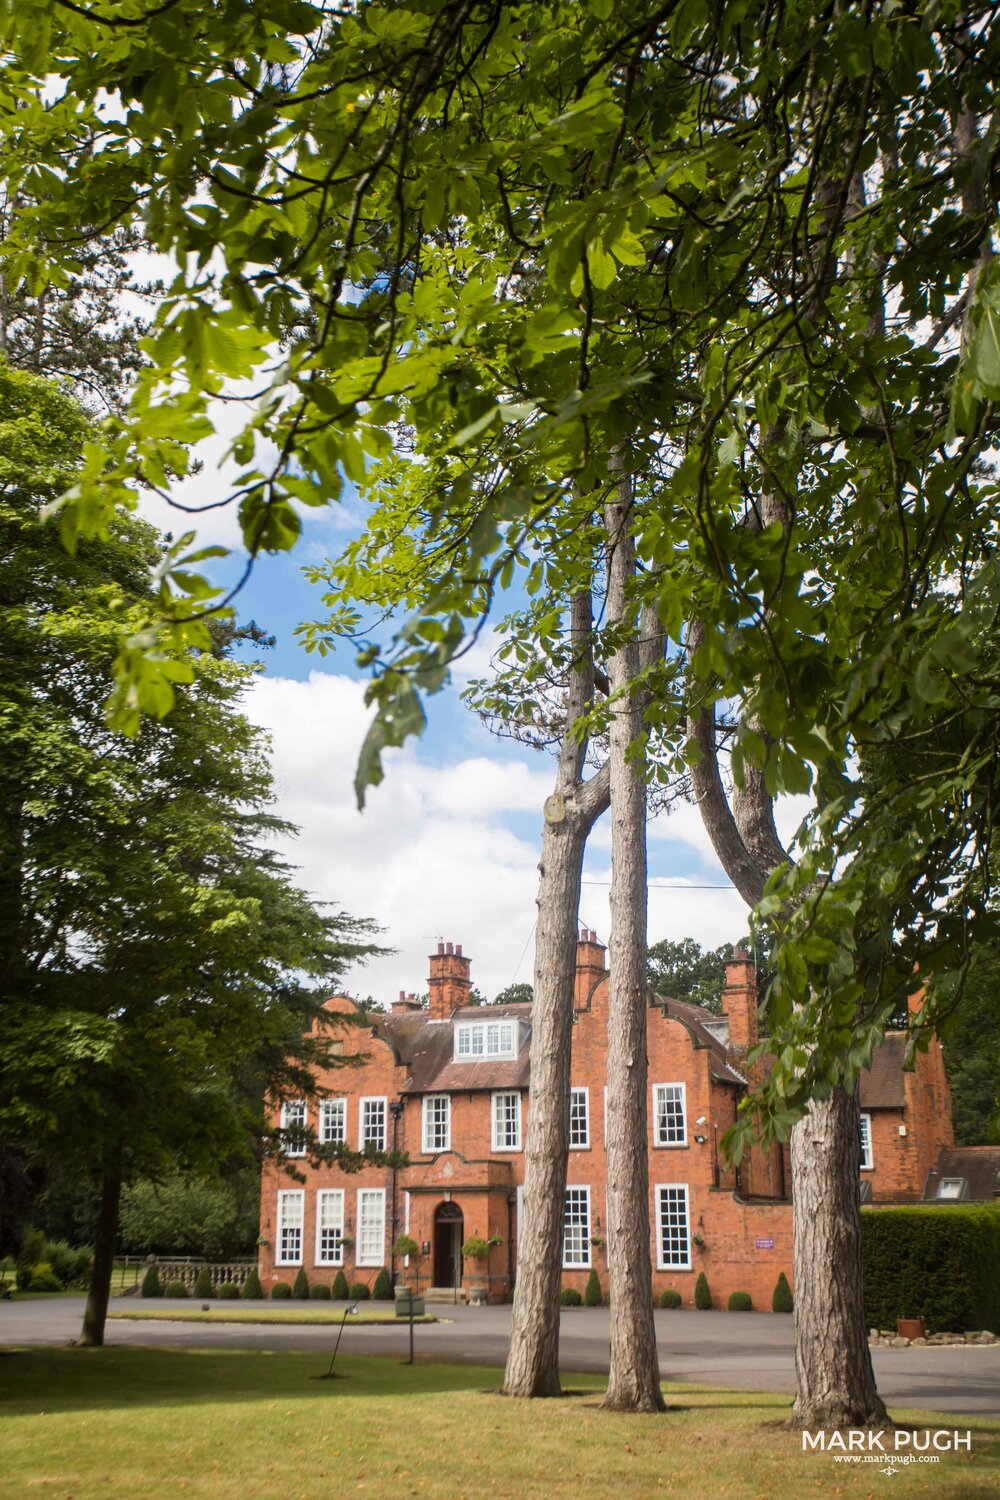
(702, 1293)
(670, 1298)
(203, 1283)
(592, 1296)
(300, 1286)
(782, 1300)
(319, 1292)
(939, 1264)
(740, 1302)
(341, 1290)
(359, 1291)
(281, 1292)
(151, 1283)
(382, 1290)
(569, 1297)
(177, 1289)
(229, 1290)
(252, 1288)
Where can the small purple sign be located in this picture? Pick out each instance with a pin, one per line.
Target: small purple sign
(763, 1244)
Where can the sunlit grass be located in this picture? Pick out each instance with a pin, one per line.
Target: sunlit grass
(122, 1423)
(228, 1313)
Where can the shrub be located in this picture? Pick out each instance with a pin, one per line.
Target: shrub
(281, 1291)
(300, 1286)
(229, 1290)
(177, 1289)
(939, 1264)
(740, 1302)
(44, 1279)
(319, 1291)
(359, 1291)
(702, 1293)
(203, 1283)
(252, 1287)
(64, 1260)
(569, 1297)
(22, 1278)
(782, 1300)
(405, 1244)
(670, 1298)
(341, 1290)
(592, 1296)
(382, 1290)
(151, 1283)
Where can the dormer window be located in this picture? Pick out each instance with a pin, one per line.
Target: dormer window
(476, 1039)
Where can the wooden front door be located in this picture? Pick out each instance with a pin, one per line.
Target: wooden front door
(449, 1235)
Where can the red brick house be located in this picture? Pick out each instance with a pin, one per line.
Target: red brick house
(448, 1085)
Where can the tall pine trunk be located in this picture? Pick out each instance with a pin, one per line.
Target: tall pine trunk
(99, 1291)
(634, 1379)
(570, 813)
(834, 1379)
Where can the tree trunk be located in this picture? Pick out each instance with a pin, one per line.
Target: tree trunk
(835, 1383)
(96, 1312)
(570, 813)
(634, 1379)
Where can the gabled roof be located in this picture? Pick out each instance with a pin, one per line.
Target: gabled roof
(697, 1020)
(882, 1086)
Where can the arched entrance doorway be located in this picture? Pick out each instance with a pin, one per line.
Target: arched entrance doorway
(449, 1227)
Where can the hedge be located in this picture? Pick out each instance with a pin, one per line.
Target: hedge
(702, 1293)
(782, 1300)
(570, 1297)
(252, 1288)
(939, 1264)
(281, 1292)
(592, 1296)
(740, 1302)
(151, 1283)
(203, 1285)
(300, 1286)
(670, 1297)
(341, 1290)
(382, 1290)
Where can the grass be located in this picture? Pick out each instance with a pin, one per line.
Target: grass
(240, 1425)
(279, 1314)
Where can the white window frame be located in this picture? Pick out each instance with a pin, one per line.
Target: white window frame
(328, 1199)
(496, 1120)
(678, 1090)
(436, 1133)
(582, 1144)
(867, 1155)
(327, 1108)
(289, 1197)
(294, 1127)
(371, 1258)
(363, 1137)
(662, 1263)
(582, 1196)
(476, 1041)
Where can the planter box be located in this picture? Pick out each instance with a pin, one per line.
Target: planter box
(910, 1328)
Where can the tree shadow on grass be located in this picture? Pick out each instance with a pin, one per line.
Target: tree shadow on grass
(65, 1380)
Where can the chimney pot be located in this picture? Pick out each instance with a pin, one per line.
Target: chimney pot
(458, 950)
(440, 947)
(402, 994)
(449, 948)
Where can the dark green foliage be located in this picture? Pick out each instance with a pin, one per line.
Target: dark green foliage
(203, 1283)
(341, 1290)
(592, 1296)
(319, 1292)
(176, 1289)
(281, 1292)
(971, 1045)
(939, 1264)
(382, 1291)
(782, 1301)
(186, 1214)
(684, 971)
(570, 1297)
(252, 1288)
(300, 1286)
(360, 1291)
(670, 1298)
(44, 1279)
(229, 1291)
(740, 1302)
(151, 1283)
(702, 1293)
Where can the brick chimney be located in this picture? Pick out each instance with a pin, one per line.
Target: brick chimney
(740, 1000)
(591, 965)
(405, 1003)
(449, 984)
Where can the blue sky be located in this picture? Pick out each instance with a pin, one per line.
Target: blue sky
(447, 847)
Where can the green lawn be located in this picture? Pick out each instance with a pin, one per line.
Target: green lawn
(126, 1423)
(231, 1312)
